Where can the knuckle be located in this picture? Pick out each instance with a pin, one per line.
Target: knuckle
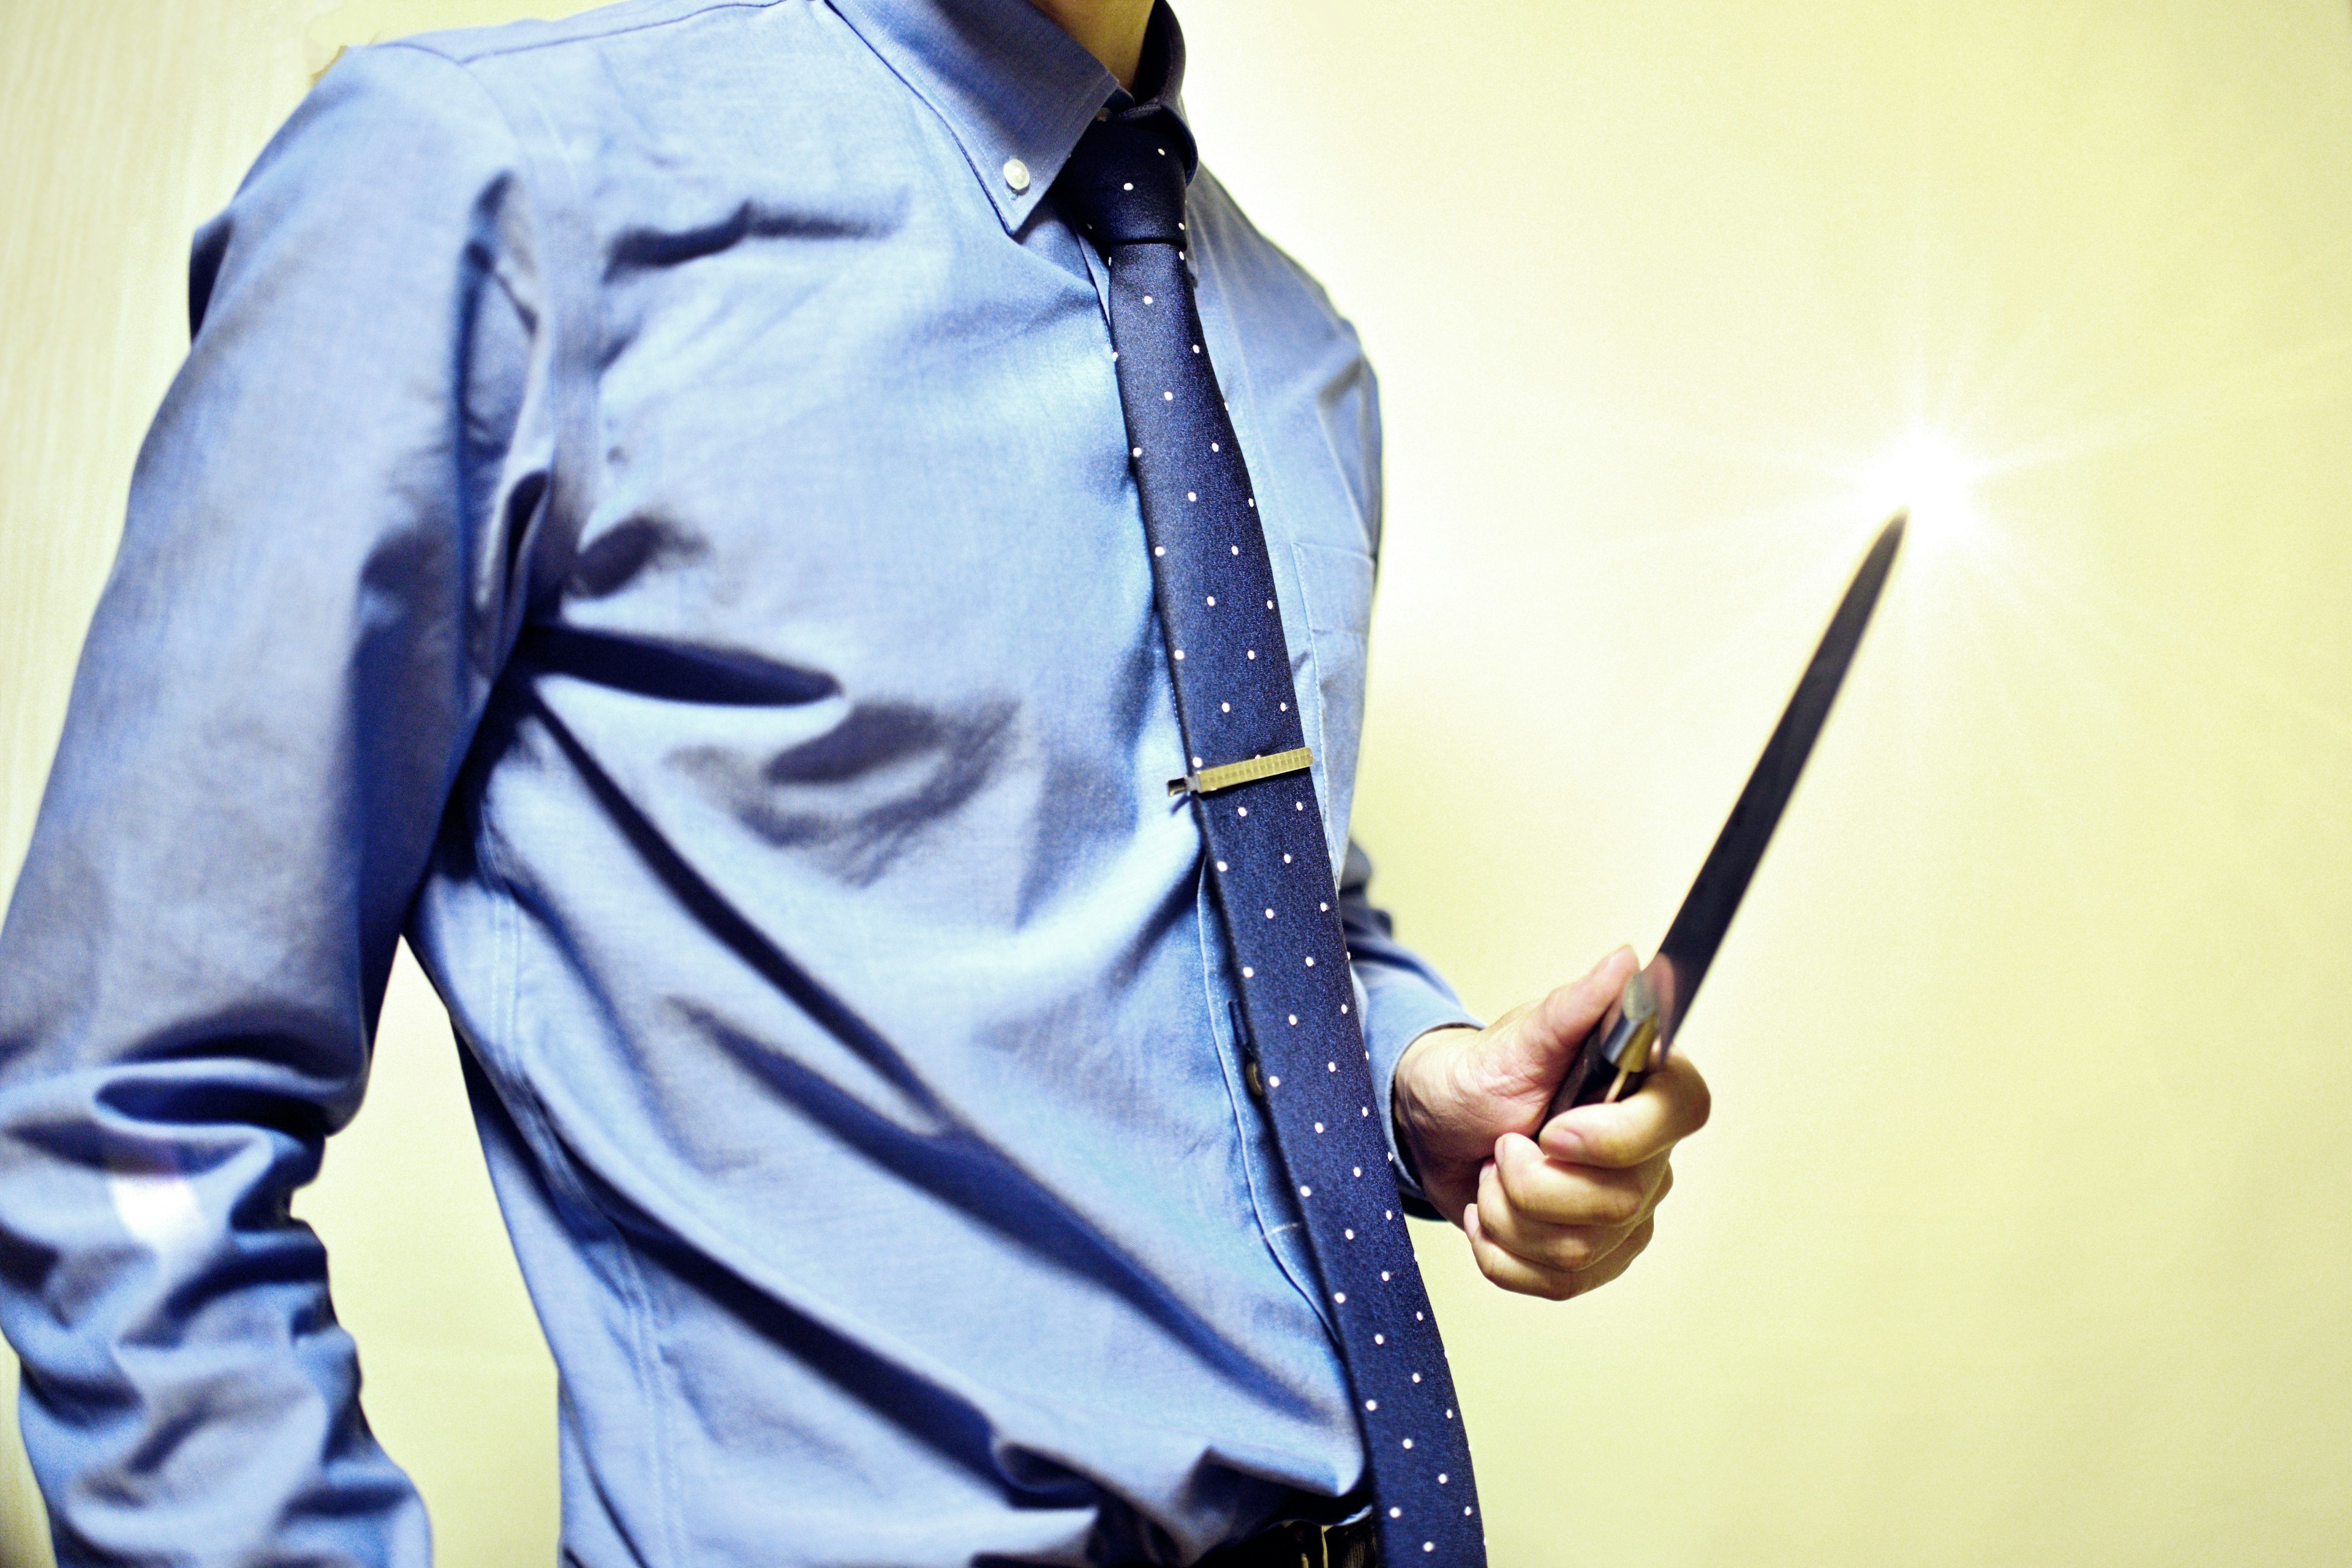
(1617, 1206)
(1576, 1252)
(1702, 1102)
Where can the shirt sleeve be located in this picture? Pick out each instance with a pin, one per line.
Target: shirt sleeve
(307, 610)
(1403, 999)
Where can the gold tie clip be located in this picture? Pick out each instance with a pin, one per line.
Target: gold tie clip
(1209, 780)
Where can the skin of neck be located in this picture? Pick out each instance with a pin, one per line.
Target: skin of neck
(1111, 30)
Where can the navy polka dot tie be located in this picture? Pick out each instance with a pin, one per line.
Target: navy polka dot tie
(1124, 189)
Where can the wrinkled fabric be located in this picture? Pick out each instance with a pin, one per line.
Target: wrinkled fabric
(646, 516)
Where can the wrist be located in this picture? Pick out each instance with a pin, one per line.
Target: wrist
(1416, 1092)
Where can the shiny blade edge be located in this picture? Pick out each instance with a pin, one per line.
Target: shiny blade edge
(1713, 899)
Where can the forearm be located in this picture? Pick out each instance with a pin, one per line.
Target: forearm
(1403, 999)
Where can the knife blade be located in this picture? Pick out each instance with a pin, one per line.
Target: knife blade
(1634, 1036)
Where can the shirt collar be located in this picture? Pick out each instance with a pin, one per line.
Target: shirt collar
(1012, 86)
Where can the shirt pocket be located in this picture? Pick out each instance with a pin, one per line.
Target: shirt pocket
(1335, 587)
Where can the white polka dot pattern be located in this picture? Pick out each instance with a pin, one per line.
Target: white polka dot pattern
(1272, 871)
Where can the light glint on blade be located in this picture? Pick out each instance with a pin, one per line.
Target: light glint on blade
(1928, 475)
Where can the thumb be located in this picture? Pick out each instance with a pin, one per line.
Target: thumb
(1554, 1027)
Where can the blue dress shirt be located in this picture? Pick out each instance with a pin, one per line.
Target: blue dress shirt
(645, 515)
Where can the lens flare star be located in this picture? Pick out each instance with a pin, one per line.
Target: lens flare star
(1926, 473)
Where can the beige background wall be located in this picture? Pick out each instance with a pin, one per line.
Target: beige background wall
(2023, 1234)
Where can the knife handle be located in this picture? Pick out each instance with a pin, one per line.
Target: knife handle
(1617, 1056)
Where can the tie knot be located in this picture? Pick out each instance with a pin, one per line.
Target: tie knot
(1124, 183)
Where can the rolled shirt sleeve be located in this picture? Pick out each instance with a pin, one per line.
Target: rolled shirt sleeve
(1403, 999)
(310, 601)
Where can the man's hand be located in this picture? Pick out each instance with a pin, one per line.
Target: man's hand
(1560, 1217)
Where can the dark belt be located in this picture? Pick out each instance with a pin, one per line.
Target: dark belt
(1298, 1544)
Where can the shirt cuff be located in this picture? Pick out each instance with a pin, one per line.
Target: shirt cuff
(1399, 1008)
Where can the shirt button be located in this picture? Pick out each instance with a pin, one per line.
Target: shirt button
(1016, 173)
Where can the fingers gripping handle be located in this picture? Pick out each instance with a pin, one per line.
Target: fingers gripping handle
(1620, 1052)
